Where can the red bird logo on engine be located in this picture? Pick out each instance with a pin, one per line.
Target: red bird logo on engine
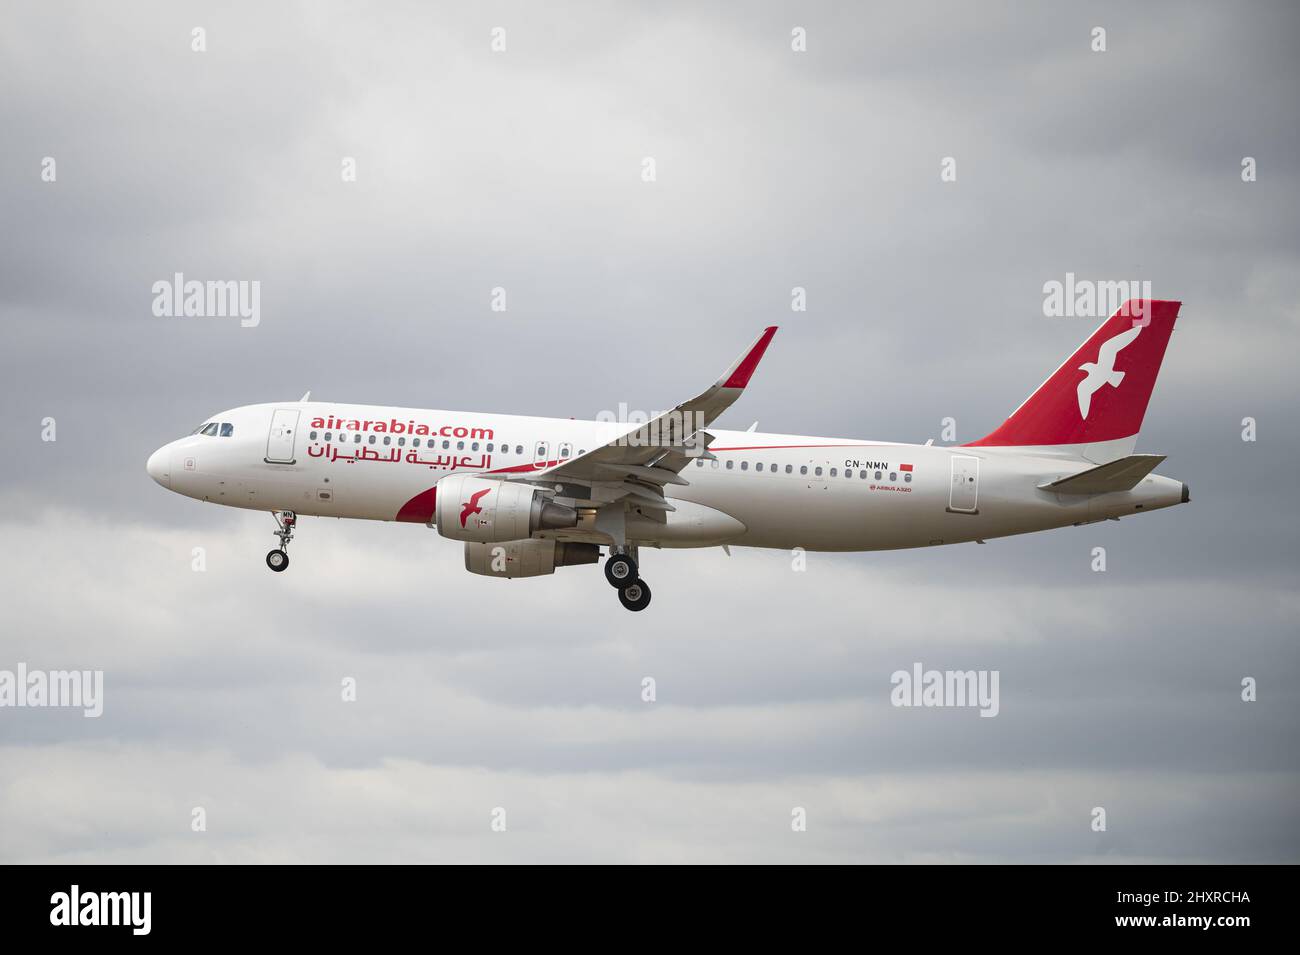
(472, 507)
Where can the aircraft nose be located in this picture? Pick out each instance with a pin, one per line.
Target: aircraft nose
(159, 466)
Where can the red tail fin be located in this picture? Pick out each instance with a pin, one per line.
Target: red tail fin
(1102, 390)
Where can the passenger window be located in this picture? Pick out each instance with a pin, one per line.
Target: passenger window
(474, 446)
(715, 464)
(489, 446)
(564, 450)
(415, 442)
(848, 473)
(758, 466)
(744, 465)
(699, 463)
(908, 477)
(818, 472)
(401, 442)
(356, 439)
(789, 469)
(877, 475)
(312, 435)
(227, 429)
(460, 445)
(328, 436)
(372, 439)
(803, 469)
(387, 439)
(519, 449)
(446, 445)
(863, 475)
(730, 465)
(893, 475)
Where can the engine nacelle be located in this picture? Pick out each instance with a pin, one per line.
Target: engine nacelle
(477, 509)
(527, 558)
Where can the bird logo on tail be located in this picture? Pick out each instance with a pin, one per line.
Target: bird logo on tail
(1102, 371)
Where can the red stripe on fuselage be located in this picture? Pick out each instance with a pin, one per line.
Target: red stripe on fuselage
(419, 509)
(775, 447)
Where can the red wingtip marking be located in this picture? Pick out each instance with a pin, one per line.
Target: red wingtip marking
(745, 370)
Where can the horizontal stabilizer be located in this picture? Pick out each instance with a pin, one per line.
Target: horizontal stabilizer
(1121, 475)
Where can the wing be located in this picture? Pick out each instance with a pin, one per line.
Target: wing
(1111, 346)
(636, 465)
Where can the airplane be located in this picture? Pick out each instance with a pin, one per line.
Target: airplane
(528, 495)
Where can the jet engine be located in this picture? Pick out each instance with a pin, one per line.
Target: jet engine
(527, 558)
(483, 510)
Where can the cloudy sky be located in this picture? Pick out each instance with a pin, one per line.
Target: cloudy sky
(522, 169)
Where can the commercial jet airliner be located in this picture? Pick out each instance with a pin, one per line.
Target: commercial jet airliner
(527, 495)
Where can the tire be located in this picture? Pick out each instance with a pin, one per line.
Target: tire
(635, 596)
(277, 560)
(620, 571)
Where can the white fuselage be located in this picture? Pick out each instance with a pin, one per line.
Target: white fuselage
(759, 490)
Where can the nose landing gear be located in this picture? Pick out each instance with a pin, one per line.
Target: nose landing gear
(278, 559)
(621, 572)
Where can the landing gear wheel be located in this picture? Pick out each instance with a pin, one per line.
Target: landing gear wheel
(285, 522)
(620, 571)
(635, 596)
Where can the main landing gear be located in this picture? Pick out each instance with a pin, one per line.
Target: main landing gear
(635, 596)
(278, 559)
(621, 572)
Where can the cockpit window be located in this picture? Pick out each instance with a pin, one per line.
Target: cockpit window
(209, 429)
(227, 429)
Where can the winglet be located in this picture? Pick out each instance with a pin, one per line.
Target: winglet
(738, 375)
